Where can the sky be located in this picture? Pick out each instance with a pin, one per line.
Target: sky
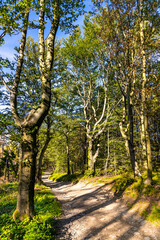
(7, 49)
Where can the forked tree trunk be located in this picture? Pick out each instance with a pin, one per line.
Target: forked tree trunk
(27, 171)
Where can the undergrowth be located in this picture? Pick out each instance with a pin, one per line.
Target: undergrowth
(40, 227)
(143, 197)
(63, 177)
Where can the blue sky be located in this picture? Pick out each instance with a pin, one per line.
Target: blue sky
(7, 49)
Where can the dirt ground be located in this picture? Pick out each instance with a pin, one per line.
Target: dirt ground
(92, 212)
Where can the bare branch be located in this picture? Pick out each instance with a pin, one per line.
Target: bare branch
(2, 34)
(5, 84)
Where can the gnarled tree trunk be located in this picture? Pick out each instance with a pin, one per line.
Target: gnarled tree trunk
(27, 170)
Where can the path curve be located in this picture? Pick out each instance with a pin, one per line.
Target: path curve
(94, 213)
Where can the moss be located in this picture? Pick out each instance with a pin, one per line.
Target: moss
(16, 215)
(24, 217)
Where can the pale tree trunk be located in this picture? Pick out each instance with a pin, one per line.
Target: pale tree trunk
(85, 158)
(92, 157)
(96, 113)
(146, 145)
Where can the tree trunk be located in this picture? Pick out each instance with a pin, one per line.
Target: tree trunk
(39, 172)
(92, 157)
(128, 137)
(115, 164)
(68, 161)
(6, 170)
(106, 164)
(144, 119)
(27, 170)
(85, 158)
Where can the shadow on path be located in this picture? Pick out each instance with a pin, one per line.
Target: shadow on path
(92, 212)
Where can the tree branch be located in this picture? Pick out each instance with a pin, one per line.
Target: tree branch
(14, 91)
(5, 84)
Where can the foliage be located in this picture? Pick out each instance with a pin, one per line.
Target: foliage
(91, 173)
(40, 227)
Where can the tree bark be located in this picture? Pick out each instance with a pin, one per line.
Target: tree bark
(31, 123)
(40, 159)
(68, 160)
(108, 151)
(27, 170)
(85, 158)
(128, 137)
(92, 157)
(47, 140)
(146, 145)
(6, 169)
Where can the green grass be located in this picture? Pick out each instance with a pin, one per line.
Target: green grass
(144, 198)
(63, 177)
(40, 227)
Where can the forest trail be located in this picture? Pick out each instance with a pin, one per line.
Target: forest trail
(92, 212)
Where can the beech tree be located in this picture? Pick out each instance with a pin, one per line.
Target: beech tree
(58, 13)
(90, 71)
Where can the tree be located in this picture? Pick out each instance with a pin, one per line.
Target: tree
(57, 13)
(11, 13)
(130, 28)
(90, 72)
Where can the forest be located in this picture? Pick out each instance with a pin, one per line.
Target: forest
(82, 106)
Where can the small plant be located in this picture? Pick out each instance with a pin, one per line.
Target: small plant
(40, 227)
(89, 173)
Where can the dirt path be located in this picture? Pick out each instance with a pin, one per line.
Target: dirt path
(93, 213)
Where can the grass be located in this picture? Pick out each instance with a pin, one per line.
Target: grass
(143, 198)
(63, 177)
(40, 227)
